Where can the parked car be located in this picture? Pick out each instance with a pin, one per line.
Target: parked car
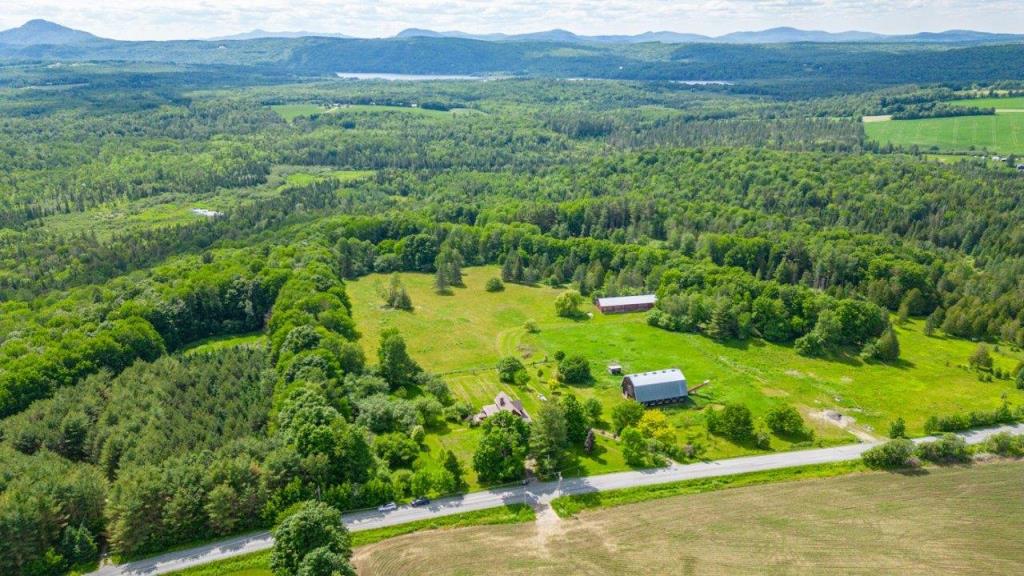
(387, 507)
(421, 501)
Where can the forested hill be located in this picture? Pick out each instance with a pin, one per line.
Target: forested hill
(840, 64)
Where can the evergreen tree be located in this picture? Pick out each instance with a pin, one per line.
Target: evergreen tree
(575, 420)
(548, 439)
(588, 444)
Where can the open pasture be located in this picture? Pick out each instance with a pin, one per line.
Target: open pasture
(463, 335)
(1001, 133)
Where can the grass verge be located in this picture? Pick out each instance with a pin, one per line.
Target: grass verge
(258, 563)
(567, 506)
(508, 514)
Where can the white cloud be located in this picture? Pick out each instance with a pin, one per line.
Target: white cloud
(162, 19)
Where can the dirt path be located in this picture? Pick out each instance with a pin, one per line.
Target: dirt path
(848, 423)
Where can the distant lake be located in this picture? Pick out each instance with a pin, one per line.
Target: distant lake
(404, 77)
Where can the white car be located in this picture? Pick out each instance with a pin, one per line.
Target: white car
(387, 507)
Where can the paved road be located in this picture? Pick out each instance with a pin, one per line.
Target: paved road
(538, 493)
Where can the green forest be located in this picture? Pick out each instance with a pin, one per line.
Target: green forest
(186, 350)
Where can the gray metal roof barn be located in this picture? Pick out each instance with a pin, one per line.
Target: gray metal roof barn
(657, 387)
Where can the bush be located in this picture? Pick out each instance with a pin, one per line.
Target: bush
(785, 420)
(981, 359)
(508, 368)
(1005, 444)
(574, 369)
(893, 454)
(626, 415)
(733, 422)
(958, 422)
(458, 411)
(946, 450)
(898, 428)
(494, 285)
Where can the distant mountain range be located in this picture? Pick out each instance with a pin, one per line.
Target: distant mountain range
(770, 36)
(42, 32)
(257, 34)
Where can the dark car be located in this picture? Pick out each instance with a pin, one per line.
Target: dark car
(421, 501)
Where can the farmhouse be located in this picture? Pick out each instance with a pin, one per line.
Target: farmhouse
(623, 304)
(654, 388)
(502, 403)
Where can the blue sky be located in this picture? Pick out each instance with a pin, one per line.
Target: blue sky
(166, 19)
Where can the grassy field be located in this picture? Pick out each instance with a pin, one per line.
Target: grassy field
(464, 334)
(1002, 133)
(173, 209)
(1014, 103)
(221, 342)
(943, 521)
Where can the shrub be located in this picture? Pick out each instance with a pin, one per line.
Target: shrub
(946, 450)
(1005, 444)
(508, 368)
(897, 453)
(898, 428)
(733, 422)
(958, 422)
(626, 415)
(458, 411)
(494, 285)
(981, 359)
(531, 327)
(785, 420)
(574, 369)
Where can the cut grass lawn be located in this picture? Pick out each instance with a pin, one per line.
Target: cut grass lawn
(963, 520)
(258, 563)
(1003, 133)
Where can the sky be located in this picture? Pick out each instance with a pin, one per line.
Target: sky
(174, 19)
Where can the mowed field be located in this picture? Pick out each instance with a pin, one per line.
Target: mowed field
(463, 335)
(1002, 133)
(961, 521)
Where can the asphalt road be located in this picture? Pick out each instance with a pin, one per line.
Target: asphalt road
(538, 493)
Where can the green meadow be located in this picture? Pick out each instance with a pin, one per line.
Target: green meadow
(1001, 133)
(463, 335)
(1011, 103)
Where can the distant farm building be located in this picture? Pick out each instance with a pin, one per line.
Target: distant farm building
(502, 403)
(614, 369)
(207, 213)
(622, 304)
(654, 388)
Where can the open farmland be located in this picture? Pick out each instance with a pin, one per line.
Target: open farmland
(464, 334)
(1011, 103)
(1002, 133)
(943, 521)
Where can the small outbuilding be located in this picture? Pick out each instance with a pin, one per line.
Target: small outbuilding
(623, 304)
(614, 369)
(656, 388)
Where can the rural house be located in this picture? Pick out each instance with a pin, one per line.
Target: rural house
(502, 403)
(621, 304)
(654, 388)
